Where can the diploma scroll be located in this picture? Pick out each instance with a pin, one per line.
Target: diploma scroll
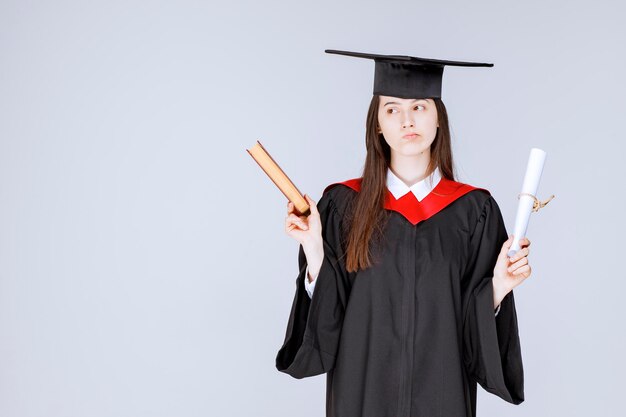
(528, 201)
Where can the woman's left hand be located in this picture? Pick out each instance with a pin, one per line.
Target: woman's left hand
(509, 273)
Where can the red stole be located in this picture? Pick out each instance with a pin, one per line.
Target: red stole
(444, 193)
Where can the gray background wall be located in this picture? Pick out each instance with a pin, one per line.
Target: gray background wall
(144, 268)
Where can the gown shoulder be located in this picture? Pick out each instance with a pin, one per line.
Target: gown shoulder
(340, 194)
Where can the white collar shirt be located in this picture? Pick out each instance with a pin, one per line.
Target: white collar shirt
(420, 189)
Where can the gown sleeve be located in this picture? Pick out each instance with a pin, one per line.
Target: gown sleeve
(315, 323)
(491, 345)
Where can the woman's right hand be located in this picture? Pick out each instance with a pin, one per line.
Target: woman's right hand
(306, 230)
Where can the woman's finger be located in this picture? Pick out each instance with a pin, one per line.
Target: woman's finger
(299, 224)
(518, 264)
(293, 219)
(291, 226)
(525, 268)
(519, 254)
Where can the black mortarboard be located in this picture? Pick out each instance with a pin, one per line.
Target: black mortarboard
(408, 76)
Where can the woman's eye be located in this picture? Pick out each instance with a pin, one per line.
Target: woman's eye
(419, 106)
(390, 111)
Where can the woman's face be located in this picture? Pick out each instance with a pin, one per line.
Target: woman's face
(408, 125)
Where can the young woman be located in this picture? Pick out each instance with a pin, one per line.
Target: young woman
(405, 291)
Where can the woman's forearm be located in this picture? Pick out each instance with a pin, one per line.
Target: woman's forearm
(314, 252)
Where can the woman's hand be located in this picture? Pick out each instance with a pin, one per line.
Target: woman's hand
(308, 232)
(510, 272)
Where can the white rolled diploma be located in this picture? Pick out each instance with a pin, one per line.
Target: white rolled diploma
(525, 205)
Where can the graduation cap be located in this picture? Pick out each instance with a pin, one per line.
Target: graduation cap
(408, 76)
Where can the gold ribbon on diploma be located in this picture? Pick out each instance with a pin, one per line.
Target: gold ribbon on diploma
(536, 204)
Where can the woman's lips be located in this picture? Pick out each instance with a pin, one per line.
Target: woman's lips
(410, 136)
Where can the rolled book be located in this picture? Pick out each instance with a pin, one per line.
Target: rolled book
(278, 176)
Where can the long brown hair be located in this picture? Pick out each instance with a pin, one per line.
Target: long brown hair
(367, 216)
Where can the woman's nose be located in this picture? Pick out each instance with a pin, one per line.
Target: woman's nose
(408, 122)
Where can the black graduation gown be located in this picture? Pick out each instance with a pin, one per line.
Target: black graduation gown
(413, 334)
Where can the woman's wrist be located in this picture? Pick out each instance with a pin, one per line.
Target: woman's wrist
(313, 247)
(499, 292)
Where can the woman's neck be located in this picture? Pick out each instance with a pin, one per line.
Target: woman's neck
(410, 169)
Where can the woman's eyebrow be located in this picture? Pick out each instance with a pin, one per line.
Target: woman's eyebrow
(393, 102)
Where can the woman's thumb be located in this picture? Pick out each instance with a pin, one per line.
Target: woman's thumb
(507, 244)
(312, 204)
